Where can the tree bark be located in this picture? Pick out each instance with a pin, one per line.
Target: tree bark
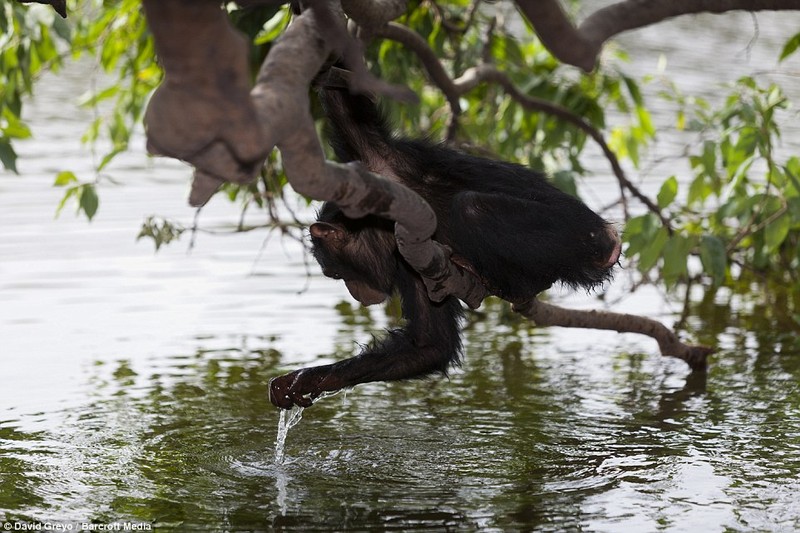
(581, 46)
(544, 314)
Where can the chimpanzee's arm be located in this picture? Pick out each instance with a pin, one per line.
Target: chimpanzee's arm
(430, 342)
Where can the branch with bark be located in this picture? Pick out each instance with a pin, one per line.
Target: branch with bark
(580, 46)
(544, 314)
(280, 96)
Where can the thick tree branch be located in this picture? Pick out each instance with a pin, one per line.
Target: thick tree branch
(281, 98)
(373, 13)
(544, 314)
(581, 46)
(350, 49)
(202, 112)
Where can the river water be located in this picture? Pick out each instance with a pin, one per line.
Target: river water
(134, 383)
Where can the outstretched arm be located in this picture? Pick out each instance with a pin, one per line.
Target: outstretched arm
(430, 342)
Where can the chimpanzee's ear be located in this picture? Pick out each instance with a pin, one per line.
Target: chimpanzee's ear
(327, 231)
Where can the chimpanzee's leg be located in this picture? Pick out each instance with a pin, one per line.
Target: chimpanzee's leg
(430, 342)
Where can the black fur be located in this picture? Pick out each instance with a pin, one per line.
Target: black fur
(512, 228)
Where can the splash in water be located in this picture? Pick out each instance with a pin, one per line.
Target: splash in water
(286, 421)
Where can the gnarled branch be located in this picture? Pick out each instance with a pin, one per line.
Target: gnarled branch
(544, 314)
(283, 84)
(580, 46)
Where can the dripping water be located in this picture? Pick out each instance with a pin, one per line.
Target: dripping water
(286, 421)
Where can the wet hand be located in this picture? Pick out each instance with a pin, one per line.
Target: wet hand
(302, 387)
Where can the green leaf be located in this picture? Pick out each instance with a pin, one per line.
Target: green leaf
(790, 47)
(776, 231)
(676, 252)
(89, 201)
(14, 128)
(163, 234)
(668, 192)
(72, 191)
(565, 180)
(714, 258)
(8, 156)
(652, 250)
(65, 178)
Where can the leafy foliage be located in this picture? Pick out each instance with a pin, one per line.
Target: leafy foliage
(740, 212)
(29, 45)
(736, 215)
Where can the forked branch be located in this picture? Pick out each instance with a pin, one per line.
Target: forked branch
(582, 45)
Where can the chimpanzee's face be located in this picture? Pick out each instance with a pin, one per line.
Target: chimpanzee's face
(604, 249)
(361, 253)
(593, 246)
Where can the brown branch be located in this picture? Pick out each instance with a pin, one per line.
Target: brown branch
(334, 32)
(414, 42)
(281, 99)
(581, 46)
(373, 13)
(202, 112)
(544, 314)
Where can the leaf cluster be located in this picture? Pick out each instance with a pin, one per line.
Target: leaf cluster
(739, 212)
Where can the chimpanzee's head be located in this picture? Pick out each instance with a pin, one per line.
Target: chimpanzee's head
(586, 248)
(361, 252)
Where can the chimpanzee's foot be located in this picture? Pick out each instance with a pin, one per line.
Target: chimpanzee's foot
(302, 387)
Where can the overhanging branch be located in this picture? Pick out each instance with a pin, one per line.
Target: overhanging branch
(581, 46)
(544, 314)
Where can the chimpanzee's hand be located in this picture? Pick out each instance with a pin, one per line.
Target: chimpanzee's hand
(303, 386)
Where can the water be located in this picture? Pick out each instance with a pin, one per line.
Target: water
(134, 384)
(286, 421)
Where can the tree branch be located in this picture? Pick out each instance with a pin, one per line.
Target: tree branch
(581, 46)
(202, 112)
(373, 13)
(281, 99)
(544, 314)
(413, 41)
(334, 32)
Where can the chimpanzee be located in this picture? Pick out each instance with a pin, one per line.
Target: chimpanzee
(504, 223)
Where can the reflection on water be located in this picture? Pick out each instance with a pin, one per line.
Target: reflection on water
(135, 386)
(519, 438)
